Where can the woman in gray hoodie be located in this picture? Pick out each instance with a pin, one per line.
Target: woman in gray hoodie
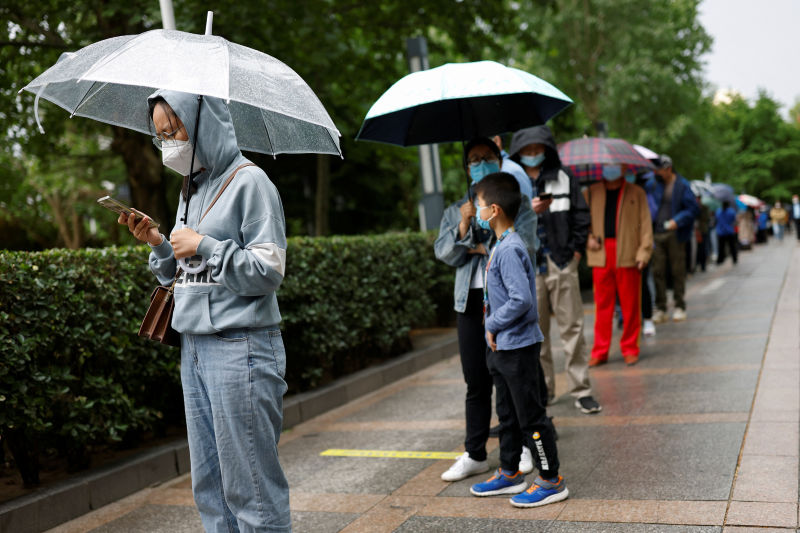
(232, 356)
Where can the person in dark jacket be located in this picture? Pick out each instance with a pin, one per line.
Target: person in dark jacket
(563, 229)
(673, 226)
(726, 232)
(703, 228)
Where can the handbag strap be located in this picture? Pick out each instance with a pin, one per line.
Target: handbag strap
(224, 186)
(175, 280)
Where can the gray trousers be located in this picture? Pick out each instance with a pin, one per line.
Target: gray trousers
(669, 252)
(558, 295)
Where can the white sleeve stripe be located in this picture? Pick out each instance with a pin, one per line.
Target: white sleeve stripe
(271, 255)
(560, 204)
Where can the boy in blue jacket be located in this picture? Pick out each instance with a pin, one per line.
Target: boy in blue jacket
(514, 340)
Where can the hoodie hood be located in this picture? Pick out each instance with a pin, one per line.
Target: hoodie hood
(536, 135)
(217, 148)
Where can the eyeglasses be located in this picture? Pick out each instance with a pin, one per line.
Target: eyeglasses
(484, 159)
(160, 139)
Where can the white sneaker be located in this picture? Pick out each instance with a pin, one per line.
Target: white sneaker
(526, 461)
(465, 467)
(659, 317)
(648, 328)
(679, 315)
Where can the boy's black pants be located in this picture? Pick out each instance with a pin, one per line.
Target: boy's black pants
(522, 414)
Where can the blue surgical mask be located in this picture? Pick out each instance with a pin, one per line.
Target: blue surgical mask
(630, 177)
(478, 171)
(612, 172)
(532, 160)
(484, 224)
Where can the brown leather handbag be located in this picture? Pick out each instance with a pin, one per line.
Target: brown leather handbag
(157, 322)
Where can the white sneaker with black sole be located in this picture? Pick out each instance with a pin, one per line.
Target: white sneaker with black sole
(465, 467)
(588, 405)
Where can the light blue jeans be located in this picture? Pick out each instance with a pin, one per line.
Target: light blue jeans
(233, 391)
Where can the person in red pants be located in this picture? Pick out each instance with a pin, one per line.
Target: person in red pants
(619, 247)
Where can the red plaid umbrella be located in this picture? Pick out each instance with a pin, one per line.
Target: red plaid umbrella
(585, 157)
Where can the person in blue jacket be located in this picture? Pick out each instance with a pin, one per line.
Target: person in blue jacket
(673, 225)
(726, 232)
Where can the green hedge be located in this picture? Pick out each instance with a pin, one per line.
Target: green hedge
(74, 374)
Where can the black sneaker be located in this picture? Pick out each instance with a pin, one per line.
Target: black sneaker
(588, 405)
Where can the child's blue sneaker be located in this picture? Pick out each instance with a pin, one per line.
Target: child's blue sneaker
(500, 483)
(542, 492)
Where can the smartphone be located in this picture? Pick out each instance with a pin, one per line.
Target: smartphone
(118, 207)
(545, 196)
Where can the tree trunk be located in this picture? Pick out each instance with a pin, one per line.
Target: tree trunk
(145, 174)
(322, 203)
(67, 220)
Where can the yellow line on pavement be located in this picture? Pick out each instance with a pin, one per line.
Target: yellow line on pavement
(392, 454)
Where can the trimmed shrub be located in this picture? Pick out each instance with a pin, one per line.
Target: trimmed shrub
(74, 374)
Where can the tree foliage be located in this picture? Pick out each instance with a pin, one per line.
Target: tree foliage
(635, 67)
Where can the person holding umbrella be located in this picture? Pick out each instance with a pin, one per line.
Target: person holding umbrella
(465, 245)
(232, 355)
(673, 224)
(619, 247)
(230, 239)
(562, 231)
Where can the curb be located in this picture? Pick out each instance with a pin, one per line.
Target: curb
(74, 497)
(307, 405)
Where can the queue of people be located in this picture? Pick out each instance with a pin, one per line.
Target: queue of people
(516, 260)
(515, 240)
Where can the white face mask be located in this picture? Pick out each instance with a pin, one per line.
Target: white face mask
(177, 155)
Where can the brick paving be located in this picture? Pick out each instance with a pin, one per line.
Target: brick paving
(702, 435)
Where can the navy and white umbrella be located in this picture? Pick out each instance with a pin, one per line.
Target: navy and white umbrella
(459, 101)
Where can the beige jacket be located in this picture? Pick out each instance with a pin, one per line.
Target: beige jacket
(634, 225)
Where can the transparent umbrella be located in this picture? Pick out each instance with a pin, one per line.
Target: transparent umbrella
(273, 110)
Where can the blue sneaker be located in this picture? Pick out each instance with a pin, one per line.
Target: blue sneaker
(542, 492)
(500, 483)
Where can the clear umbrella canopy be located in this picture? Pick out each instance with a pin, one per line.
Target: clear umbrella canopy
(273, 110)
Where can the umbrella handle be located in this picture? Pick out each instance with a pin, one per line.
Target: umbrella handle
(184, 263)
(187, 267)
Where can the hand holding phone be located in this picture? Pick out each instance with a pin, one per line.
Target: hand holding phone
(541, 203)
(118, 207)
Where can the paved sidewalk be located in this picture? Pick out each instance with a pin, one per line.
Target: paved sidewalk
(701, 435)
